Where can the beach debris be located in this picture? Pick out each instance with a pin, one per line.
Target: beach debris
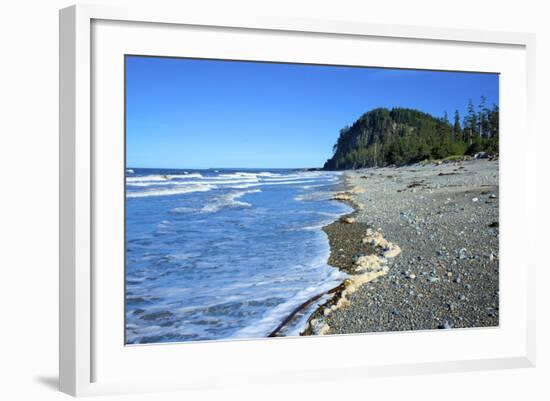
(355, 282)
(319, 327)
(475, 199)
(324, 330)
(414, 184)
(367, 263)
(342, 196)
(367, 268)
(357, 190)
(392, 251)
(348, 220)
(481, 155)
(342, 302)
(376, 239)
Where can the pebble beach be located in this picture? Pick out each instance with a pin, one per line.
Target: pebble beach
(420, 250)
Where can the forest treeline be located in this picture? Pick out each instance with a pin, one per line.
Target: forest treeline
(383, 137)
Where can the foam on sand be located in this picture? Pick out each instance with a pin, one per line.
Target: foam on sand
(366, 268)
(375, 238)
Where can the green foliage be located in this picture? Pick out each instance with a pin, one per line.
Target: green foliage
(454, 158)
(482, 144)
(456, 127)
(400, 136)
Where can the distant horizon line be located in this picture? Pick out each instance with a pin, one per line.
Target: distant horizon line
(223, 168)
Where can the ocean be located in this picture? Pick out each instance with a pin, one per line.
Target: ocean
(223, 254)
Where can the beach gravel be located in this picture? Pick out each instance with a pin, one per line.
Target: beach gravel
(445, 219)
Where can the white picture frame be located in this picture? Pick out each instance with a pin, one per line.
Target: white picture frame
(79, 316)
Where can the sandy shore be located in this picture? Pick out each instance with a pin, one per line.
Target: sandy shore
(421, 249)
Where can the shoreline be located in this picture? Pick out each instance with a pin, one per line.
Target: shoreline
(439, 281)
(355, 251)
(336, 291)
(352, 234)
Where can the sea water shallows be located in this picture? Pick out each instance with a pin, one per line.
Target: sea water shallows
(224, 254)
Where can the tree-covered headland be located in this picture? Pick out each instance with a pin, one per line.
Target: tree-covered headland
(383, 137)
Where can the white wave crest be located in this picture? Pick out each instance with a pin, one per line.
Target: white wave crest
(266, 174)
(155, 177)
(209, 181)
(171, 191)
(161, 178)
(182, 210)
(243, 174)
(267, 183)
(228, 200)
(186, 175)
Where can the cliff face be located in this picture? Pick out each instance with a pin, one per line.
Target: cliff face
(384, 137)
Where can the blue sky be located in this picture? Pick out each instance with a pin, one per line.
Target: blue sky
(188, 113)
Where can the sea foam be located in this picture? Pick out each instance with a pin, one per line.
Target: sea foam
(229, 254)
(229, 200)
(171, 191)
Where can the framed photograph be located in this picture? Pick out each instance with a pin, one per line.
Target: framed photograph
(263, 199)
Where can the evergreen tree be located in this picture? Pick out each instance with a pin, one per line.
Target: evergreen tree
(400, 136)
(493, 120)
(483, 118)
(470, 123)
(456, 127)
